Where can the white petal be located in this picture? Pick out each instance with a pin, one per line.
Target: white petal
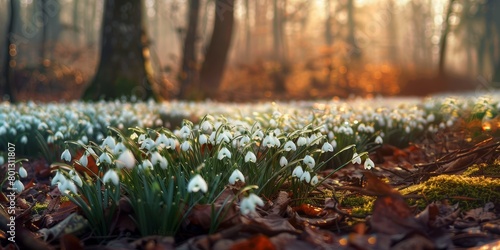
(196, 184)
(66, 155)
(236, 176)
(22, 172)
(126, 159)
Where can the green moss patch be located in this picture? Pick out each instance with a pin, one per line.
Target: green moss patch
(483, 169)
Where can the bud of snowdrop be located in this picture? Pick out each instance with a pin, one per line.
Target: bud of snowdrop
(290, 146)
(66, 156)
(309, 161)
(84, 161)
(297, 172)
(2, 160)
(236, 176)
(283, 161)
(407, 129)
(250, 157)
(302, 141)
(126, 159)
(369, 164)
(356, 159)
(185, 146)
(105, 158)
(314, 180)
(248, 204)
(112, 176)
(327, 147)
(379, 140)
(306, 176)
(109, 143)
(24, 139)
(18, 186)
(3, 130)
(196, 184)
(224, 152)
(22, 172)
(331, 135)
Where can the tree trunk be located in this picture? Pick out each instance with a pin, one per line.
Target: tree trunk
(215, 57)
(7, 93)
(328, 24)
(124, 68)
(248, 36)
(189, 71)
(444, 39)
(351, 25)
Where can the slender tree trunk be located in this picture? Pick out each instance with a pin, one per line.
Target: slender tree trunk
(248, 37)
(216, 55)
(351, 25)
(328, 23)
(11, 51)
(124, 68)
(44, 32)
(444, 39)
(187, 75)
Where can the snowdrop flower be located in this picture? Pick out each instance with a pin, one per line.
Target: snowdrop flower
(244, 140)
(147, 164)
(58, 135)
(148, 144)
(90, 151)
(22, 172)
(302, 141)
(297, 172)
(306, 176)
(109, 142)
(290, 146)
(119, 148)
(309, 161)
(196, 184)
(206, 126)
(258, 135)
(203, 139)
(369, 163)
(112, 176)
(57, 178)
(185, 132)
(327, 147)
(2, 160)
(66, 187)
(66, 156)
(24, 139)
(105, 158)
(356, 159)
(250, 157)
(84, 161)
(236, 176)
(314, 180)
(156, 159)
(248, 204)
(379, 140)
(283, 161)
(431, 118)
(76, 178)
(185, 146)
(407, 129)
(224, 152)
(161, 141)
(18, 186)
(141, 138)
(126, 159)
(223, 137)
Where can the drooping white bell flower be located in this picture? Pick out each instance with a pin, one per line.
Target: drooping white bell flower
(111, 176)
(126, 159)
(223, 153)
(250, 157)
(283, 161)
(369, 164)
(297, 172)
(237, 175)
(66, 155)
(309, 161)
(196, 184)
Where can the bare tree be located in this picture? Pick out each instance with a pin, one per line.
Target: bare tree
(189, 70)
(11, 50)
(124, 68)
(444, 38)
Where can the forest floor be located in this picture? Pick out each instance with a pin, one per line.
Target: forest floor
(440, 193)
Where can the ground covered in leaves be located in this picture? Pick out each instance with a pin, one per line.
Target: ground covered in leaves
(442, 192)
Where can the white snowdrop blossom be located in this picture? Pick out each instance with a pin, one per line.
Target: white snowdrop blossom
(22, 172)
(196, 184)
(161, 141)
(369, 164)
(306, 176)
(119, 148)
(431, 118)
(302, 141)
(244, 140)
(327, 147)
(57, 178)
(76, 178)
(356, 159)
(309, 161)
(185, 132)
(314, 180)
(250, 157)
(248, 204)
(126, 159)
(2, 160)
(24, 139)
(157, 159)
(407, 129)
(84, 161)
(290, 146)
(147, 164)
(109, 143)
(297, 172)
(379, 140)
(111, 176)
(66, 186)
(203, 139)
(66, 155)
(223, 153)
(185, 146)
(105, 158)
(206, 126)
(236, 176)
(258, 135)
(18, 186)
(334, 144)
(148, 144)
(283, 161)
